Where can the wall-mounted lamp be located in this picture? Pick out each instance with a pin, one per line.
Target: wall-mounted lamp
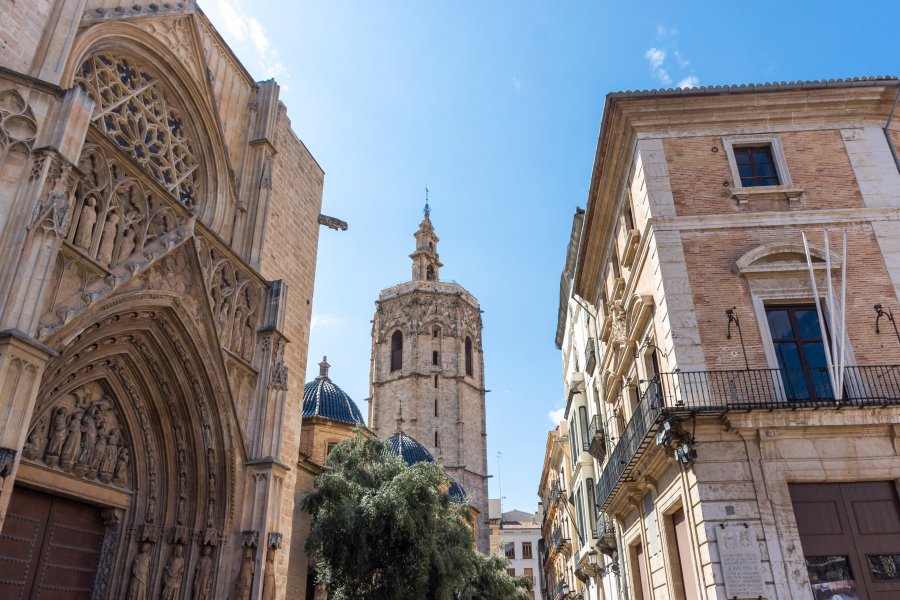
(733, 318)
(672, 436)
(887, 314)
(648, 344)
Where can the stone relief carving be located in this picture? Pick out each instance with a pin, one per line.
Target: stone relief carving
(138, 585)
(83, 438)
(243, 585)
(203, 575)
(134, 110)
(618, 328)
(52, 214)
(234, 299)
(18, 127)
(176, 35)
(173, 574)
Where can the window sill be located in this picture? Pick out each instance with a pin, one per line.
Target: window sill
(631, 243)
(744, 195)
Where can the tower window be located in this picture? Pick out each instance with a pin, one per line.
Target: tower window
(435, 381)
(429, 273)
(469, 356)
(435, 407)
(436, 331)
(396, 351)
(436, 439)
(434, 357)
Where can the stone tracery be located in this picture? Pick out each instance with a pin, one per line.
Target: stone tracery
(139, 116)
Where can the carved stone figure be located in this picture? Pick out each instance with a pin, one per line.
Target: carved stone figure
(203, 575)
(32, 448)
(269, 576)
(121, 473)
(57, 435)
(99, 450)
(85, 232)
(73, 443)
(140, 574)
(127, 246)
(172, 575)
(88, 440)
(108, 462)
(244, 584)
(108, 239)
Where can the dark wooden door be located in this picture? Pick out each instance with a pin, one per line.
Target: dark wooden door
(49, 547)
(850, 533)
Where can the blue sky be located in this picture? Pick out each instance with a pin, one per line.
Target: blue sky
(497, 106)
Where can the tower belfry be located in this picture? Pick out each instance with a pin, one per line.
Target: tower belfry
(427, 359)
(426, 264)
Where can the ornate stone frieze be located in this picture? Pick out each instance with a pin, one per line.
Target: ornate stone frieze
(54, 209)
(135, 111)
(18, 127)
(82, 435)
(234, 297)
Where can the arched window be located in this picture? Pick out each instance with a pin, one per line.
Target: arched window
(436, 331)
(396, 351)
(468, 356)
(429, 273)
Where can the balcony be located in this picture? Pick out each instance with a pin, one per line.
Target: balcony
(596, 439)
(590, 355)
(559, 542)
(717, 392)
(606, 534)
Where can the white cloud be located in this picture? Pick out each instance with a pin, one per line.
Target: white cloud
(682, 61)
(656, 57)
(248, 37)
(557, 415)
(690, 81)
(517, 83)
(325, 321)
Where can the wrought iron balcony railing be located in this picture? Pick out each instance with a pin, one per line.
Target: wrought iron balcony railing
(596, 439)
(722, 391)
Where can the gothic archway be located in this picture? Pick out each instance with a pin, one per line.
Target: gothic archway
(133, 416)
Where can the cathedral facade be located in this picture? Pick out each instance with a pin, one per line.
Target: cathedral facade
(158, 233)
(427, 372)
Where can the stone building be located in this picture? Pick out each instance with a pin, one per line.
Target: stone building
(427, 368)
(330, 416)
(155, 210)
(516, 536)
(738, 461)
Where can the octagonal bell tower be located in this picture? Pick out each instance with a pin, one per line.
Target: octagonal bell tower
(427, 371)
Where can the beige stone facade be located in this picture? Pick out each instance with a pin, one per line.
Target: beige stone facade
(158, 236)
(726, 448)
(428, 370)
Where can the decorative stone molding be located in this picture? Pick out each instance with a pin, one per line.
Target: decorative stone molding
(744, 195)
(250, 539)
(18, 126)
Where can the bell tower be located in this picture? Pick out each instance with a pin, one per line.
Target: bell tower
(427, 365)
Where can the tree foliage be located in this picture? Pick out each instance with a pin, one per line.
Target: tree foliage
(385, 531)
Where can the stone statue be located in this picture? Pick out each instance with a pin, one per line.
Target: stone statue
(99, 449)
(32, 447)
(121, 473)
(108, 462)
(203, 575)
(85, 231)
(244, 584)
(172, 575)
(236, 330)
(127, 245)
(73, 442)
(269, 576)
(57, 435)
(140, 574)
(88, 438)
(108, 239)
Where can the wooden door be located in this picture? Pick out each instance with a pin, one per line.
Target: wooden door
(49, 547)
(685, 564)
(850, 533)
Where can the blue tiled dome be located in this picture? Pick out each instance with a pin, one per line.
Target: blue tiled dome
(408, 449)
(322, 398)
(456, 491)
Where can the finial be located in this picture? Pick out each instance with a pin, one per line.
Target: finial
(400, 417)
(427, 208)
(323, 368)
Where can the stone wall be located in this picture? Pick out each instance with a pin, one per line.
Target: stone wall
(21, 32)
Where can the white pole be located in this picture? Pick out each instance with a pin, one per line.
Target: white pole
(832, 309)
(812, 278)
(843, 318)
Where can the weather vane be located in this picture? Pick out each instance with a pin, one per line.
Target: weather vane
(427, 208)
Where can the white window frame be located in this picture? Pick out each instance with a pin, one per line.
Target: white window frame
(773, 141)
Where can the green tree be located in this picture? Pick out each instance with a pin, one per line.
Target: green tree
(385, 531)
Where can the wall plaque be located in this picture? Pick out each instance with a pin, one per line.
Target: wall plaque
(741, 562)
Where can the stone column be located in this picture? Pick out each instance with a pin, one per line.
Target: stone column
(43, 211)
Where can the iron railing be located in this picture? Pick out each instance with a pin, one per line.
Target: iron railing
(740, 390)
